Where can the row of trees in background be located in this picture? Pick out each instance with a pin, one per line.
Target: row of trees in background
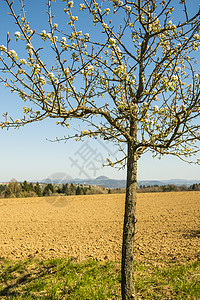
(14, 189)
(158, 188)
(168, 188)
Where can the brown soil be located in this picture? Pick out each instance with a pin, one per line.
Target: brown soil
(91, 226)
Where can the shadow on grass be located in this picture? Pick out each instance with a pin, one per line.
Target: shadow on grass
(68, 279)
(59, 279)
(18, 276)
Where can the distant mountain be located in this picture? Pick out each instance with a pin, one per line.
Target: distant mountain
(181, 182)
(177, 182)
(61, 178)
(103, 181)
(102, 178)
(58, 178)
(150, 182)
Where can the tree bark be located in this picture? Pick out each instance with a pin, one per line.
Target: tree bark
(127, 268)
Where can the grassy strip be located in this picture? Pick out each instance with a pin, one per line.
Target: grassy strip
(168, 281)
(67, 279)
(59, 279)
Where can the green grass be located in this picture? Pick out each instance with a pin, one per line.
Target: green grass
(168, 281)
(68, 279)
(59, 279)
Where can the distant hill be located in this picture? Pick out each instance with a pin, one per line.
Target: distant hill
(102, 178)
(103, 181)
(60, 178)
(177, 182)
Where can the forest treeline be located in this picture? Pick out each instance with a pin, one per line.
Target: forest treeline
(15, 189)
(168, 188)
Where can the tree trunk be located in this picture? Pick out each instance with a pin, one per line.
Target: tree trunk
(127, 268)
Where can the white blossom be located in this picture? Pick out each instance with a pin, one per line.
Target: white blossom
(120, 69)
(112, 42)
(90, 68)
(51, 75)
(64, 39)
(3, 48)
(82, 72)
(43, 32)
(13, 53)
(174, 78)
(17, 34)
(118, 49)
(30, 51)
(37, 66)
(22, 61)
(67, 71)
(29, 46)
(74, 18)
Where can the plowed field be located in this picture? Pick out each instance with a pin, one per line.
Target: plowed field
(90, 226)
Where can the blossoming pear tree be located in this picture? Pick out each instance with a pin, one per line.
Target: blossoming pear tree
(133, 78)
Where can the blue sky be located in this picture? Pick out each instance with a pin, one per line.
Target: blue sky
(27, 154)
